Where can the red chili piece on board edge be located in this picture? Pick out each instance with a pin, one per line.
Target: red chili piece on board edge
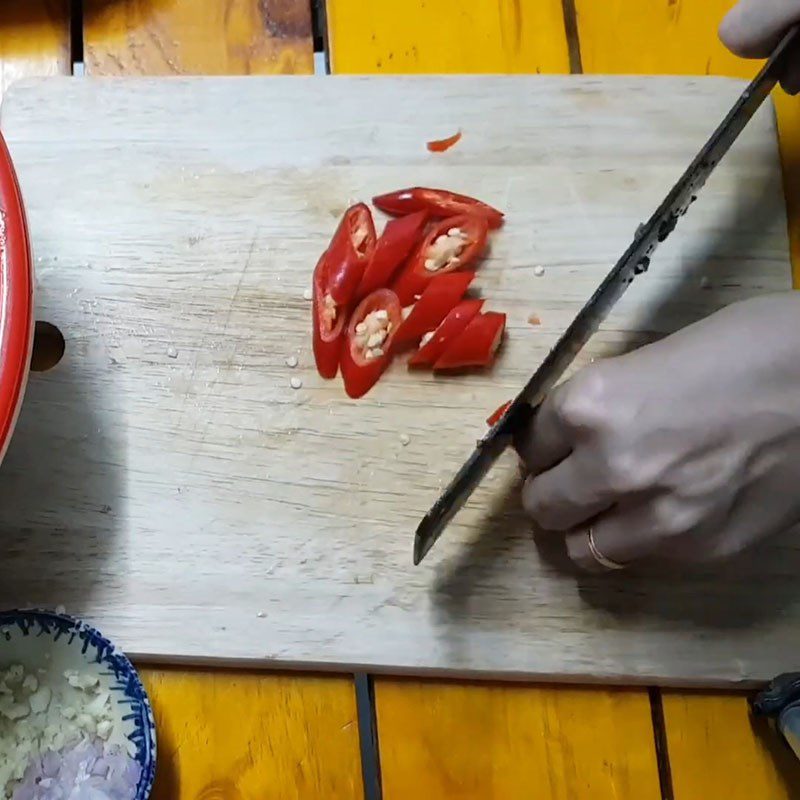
(441, 145)
(435, 342)
(328, 323)
(440, 296)
(368, 342)
(476, 345)
(397, 240)
(497, 414)
(452, 244)
(437, 202)
(349, 253)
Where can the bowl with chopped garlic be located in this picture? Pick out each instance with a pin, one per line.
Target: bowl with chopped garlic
(75, 720)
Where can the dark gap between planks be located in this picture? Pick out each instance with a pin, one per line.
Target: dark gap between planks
(319, 33)
(76, 36)
(660, 742)
(368, 736)
(570, 13)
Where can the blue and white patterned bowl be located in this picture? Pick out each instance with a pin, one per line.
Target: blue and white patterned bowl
(28, 637)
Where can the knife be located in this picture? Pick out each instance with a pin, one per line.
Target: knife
(634, 261)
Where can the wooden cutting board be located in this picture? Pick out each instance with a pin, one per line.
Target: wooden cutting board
(167, 482)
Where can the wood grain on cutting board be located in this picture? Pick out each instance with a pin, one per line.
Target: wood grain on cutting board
(188, 488)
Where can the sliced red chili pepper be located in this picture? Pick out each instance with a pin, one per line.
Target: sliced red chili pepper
(451, 244)
(476, 345)
(349, 253)
(440, 145)
(434, 342)
(328, 322)
(497, 414)
(437, 202)
(368, 342)
(396, 242)
(438, 298)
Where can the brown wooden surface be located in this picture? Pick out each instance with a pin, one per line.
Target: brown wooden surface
(717, 750)
(34, 39)
(242, 736)
(195, 37)
(436, 36)
(479, 741)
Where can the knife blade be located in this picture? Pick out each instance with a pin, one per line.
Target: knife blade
(634, 261)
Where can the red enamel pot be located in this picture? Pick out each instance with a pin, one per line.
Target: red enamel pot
(16, 299)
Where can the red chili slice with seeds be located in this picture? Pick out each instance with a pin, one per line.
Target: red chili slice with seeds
(328, 320)
(349, 253)
(452, 244)
(367, 347)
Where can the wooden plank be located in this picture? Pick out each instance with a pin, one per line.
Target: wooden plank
(716, 750)
(34, 39)
(655, 37)
(238, 735)
(679, 37)
(184, 37)
(503, 741)
(181, 441)
(438, 36)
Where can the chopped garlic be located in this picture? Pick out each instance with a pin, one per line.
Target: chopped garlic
(404, 439)
(40, 699)
(292, 362)
(81, 681)
(13, 674)
(87, 723)
(538, 271)
(307, 294)
(296, 383)
(104, 729)
(46, 710)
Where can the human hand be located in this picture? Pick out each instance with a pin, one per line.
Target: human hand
(753, 28)
(687, 449)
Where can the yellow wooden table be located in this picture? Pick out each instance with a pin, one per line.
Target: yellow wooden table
(228, 735)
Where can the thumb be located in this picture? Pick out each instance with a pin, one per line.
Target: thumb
(753, 27)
